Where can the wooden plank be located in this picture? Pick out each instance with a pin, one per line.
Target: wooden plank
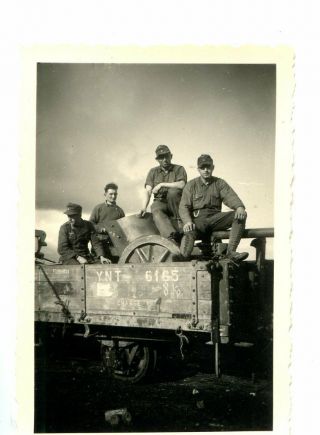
(68, 283)
(59, 273)
(176, 307)
(167, 295)
(204, 309)
(154, 322)
(204, 285)
(146, 287)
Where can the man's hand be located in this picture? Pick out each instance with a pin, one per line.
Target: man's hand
(189, 226)
(104, 260)
(240, 214)
(142, 213)
(82, 260)
(156, 189)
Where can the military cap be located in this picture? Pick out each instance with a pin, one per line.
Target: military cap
(162, 149)
(73, 209)
(204, 159)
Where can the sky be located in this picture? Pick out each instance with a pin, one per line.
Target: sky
(98, 123)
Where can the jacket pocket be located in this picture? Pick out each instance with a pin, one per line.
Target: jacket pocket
(198, 200)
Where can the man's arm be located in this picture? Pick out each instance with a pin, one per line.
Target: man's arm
(64, 248)
(94, 218)
(232, 200)
(240, 213)
(175, 184)
(149, 184)
(185, 209)
(146, 199)
(179, 183)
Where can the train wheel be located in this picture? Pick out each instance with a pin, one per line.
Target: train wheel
(150, 249)
(131, 363)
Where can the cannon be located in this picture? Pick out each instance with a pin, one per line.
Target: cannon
(137, 240)
(148, 302)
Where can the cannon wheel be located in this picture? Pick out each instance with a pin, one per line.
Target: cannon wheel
(131, 363)
(150, 249)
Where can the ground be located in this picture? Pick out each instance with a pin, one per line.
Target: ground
(73, 392)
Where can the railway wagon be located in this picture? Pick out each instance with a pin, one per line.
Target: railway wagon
(149, 300)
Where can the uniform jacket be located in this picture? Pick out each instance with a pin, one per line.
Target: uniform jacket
(158, 175)
(198, 195)
(73, 240)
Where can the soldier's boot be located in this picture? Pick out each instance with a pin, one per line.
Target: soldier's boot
(174, 237)
(237, 256)
(235, 237)
(186, 245)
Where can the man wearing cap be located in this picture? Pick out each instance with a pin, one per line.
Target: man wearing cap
(106, 212)
(200, 210)
(74, 236)
(165, 182)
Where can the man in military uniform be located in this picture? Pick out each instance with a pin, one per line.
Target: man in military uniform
(200, 210)
(74, 236)
(106, 212)
(165, 182)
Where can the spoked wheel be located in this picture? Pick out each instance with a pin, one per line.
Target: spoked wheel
(130, 363)
(150, 249)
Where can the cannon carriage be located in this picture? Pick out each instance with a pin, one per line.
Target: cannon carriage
(149, 300)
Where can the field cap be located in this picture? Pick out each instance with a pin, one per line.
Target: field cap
(73, 209)
(162, 149)
(204, 159)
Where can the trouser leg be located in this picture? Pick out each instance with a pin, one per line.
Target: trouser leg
(236, 232)
(104, 240)
(106, 248)
(161, 219)
(207, 222)
(225, 220)
(107, 252)
(222, 221)
(173, 201)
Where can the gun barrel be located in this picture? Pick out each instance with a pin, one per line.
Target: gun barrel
(250, 233)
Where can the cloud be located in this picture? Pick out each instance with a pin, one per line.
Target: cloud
(98, 123)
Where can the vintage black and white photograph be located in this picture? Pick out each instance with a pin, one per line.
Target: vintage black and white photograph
(154, 246)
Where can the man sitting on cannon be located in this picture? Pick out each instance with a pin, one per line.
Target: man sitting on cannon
(165, 182)
(200, 211)
(74, 237)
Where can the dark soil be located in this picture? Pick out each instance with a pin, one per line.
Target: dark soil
(73, 392)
